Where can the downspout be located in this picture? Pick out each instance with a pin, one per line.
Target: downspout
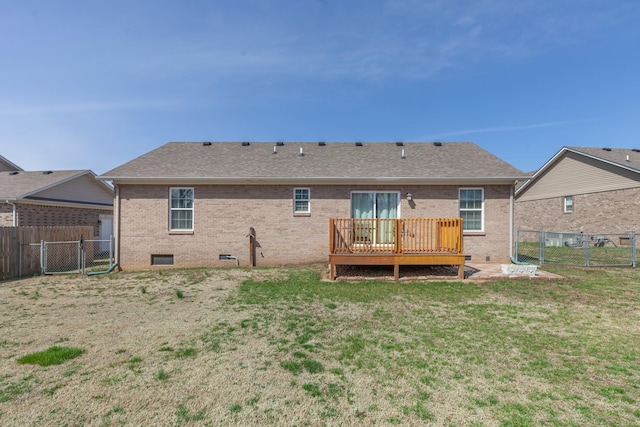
(511, 218)
(116, 225)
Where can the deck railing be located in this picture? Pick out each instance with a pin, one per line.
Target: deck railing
(397, 236)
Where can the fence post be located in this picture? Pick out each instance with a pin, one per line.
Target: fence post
(19, 259)
(587, 255)
(111, 251)
(632, 243)
(43, 257)
(541, 247)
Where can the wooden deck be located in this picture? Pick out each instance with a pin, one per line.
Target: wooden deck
(402, 241)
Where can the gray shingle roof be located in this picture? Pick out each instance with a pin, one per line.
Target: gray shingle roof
(6, 165)
(340, 161)
(625, 157)
(22, 184)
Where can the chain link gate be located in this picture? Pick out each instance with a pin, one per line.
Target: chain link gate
(570, 248)
(76, 256)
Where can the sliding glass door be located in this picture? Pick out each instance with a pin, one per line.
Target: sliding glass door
(374, 205)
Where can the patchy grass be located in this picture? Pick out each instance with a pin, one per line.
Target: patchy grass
(281, 346)
(52, 356)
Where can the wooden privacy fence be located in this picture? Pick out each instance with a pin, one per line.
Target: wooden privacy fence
(20, 246)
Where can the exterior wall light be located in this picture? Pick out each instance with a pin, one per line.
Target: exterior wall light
(409, 196)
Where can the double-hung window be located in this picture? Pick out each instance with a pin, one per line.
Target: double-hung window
(370, 210)
(472, 208)
(181, 209)
(301, 200)
(568, 204)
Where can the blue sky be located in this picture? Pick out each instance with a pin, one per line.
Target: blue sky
(94, 84)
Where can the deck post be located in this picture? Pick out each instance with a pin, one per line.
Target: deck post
(396, 272)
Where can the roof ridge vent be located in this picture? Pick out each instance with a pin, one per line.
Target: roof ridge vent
(322, 143)
(358, 144)
(437, 144)
(206, 144)
(637, 150)
(400, 144)
(14, 173)
(47, 172)
(607, 149)
(246, 144)
(279, 144)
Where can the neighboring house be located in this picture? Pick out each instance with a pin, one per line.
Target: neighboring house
(56, 198)
(6, 165)
(187, 203)
(594, 190)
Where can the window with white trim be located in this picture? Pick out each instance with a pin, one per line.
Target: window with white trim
(568, 204)
(181, 209)
(301, 200)
(472, 208)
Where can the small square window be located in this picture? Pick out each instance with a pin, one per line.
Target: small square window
(301, 200)
(568, 204)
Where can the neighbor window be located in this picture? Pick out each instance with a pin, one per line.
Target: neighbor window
(301, 200)
(181, 209)
(472, 208)
(568, 204)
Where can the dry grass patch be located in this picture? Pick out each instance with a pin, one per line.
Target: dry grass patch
(283, 347)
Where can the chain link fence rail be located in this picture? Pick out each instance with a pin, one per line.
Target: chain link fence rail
(571, 248)
(76, 256)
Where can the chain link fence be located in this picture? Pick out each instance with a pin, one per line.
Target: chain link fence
(570, 248)
(81, 256)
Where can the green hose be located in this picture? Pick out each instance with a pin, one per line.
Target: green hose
(515, 261)
(93, 273)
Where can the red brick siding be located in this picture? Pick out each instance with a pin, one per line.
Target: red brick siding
(612, 211)
(223, 216)
(47, 216)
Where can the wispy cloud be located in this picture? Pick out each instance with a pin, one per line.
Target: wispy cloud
(515, 128)
(407, 38)
(39, 108)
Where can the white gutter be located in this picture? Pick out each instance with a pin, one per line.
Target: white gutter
(116, 225)
(316, 180)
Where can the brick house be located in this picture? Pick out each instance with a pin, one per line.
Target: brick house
(594, 190)
(187, 203)
(55, 198)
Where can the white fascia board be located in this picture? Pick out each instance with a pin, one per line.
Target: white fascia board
(540, 171)
(57, 183)
(315, 180)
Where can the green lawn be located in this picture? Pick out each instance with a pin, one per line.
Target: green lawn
(606, 255)
(283, 347)
(512, 352)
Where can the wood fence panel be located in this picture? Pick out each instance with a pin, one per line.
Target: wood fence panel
(24, 242)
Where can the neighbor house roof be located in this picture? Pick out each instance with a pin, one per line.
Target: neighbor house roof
(6, 165)
(256, 162)
(624, 158)
(54, 187)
